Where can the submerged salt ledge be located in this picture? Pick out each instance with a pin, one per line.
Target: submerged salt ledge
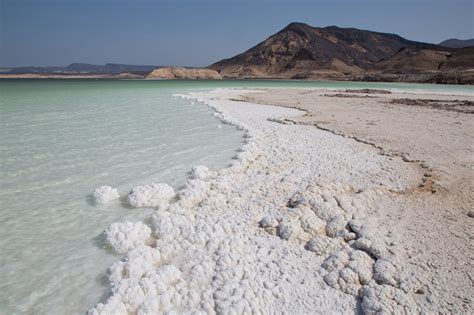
(281, 230)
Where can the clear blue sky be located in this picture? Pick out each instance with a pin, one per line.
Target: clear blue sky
(197, 33)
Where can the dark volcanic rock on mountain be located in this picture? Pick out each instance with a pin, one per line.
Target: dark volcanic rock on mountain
(413, 60)
(457, 43)
(300, 48)
(461, 59)
(449, 66)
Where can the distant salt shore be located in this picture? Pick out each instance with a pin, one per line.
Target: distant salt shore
(312, 217)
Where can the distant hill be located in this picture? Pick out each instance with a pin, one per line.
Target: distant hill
(302, 48)
(457, 43)
(83, 68)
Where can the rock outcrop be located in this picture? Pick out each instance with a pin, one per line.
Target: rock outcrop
(184, 73)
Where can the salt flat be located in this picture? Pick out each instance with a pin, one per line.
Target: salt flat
(430, 225)
(305, 220)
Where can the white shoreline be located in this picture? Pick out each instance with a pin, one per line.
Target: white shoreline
(212, 256)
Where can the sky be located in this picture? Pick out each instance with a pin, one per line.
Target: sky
(198, 33)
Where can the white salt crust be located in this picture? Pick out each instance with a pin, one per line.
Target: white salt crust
(285, 229)
(151, 195)
(105, 194)
(126, 236)
(200, 172)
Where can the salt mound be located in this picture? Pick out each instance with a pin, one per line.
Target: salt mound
(152, 195)
(126, 236)
(104, 194)
(386, 299)
(324, 245)
(348, 271)
(138, 262)
(200, 172)
(195, 190)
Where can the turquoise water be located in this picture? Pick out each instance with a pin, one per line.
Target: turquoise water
(59, 140)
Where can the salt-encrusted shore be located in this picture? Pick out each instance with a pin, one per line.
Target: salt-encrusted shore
(431, 224)
(295, 225)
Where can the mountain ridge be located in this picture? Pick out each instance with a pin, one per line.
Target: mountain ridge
(301, 46)
(301, 51)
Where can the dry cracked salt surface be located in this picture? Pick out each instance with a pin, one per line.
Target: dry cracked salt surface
(294, 225)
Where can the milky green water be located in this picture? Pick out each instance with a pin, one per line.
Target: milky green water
(59, 140)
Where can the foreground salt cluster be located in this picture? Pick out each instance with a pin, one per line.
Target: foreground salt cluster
(287, 228)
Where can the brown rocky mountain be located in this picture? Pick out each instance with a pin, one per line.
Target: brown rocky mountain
(300, 48)
(300, 51)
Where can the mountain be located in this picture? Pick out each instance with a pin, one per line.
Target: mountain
(300, 49)
(457, 43)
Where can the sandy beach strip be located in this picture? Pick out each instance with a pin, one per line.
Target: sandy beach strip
(311, 217)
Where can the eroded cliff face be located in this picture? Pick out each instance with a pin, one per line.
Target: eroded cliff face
(183, 73)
